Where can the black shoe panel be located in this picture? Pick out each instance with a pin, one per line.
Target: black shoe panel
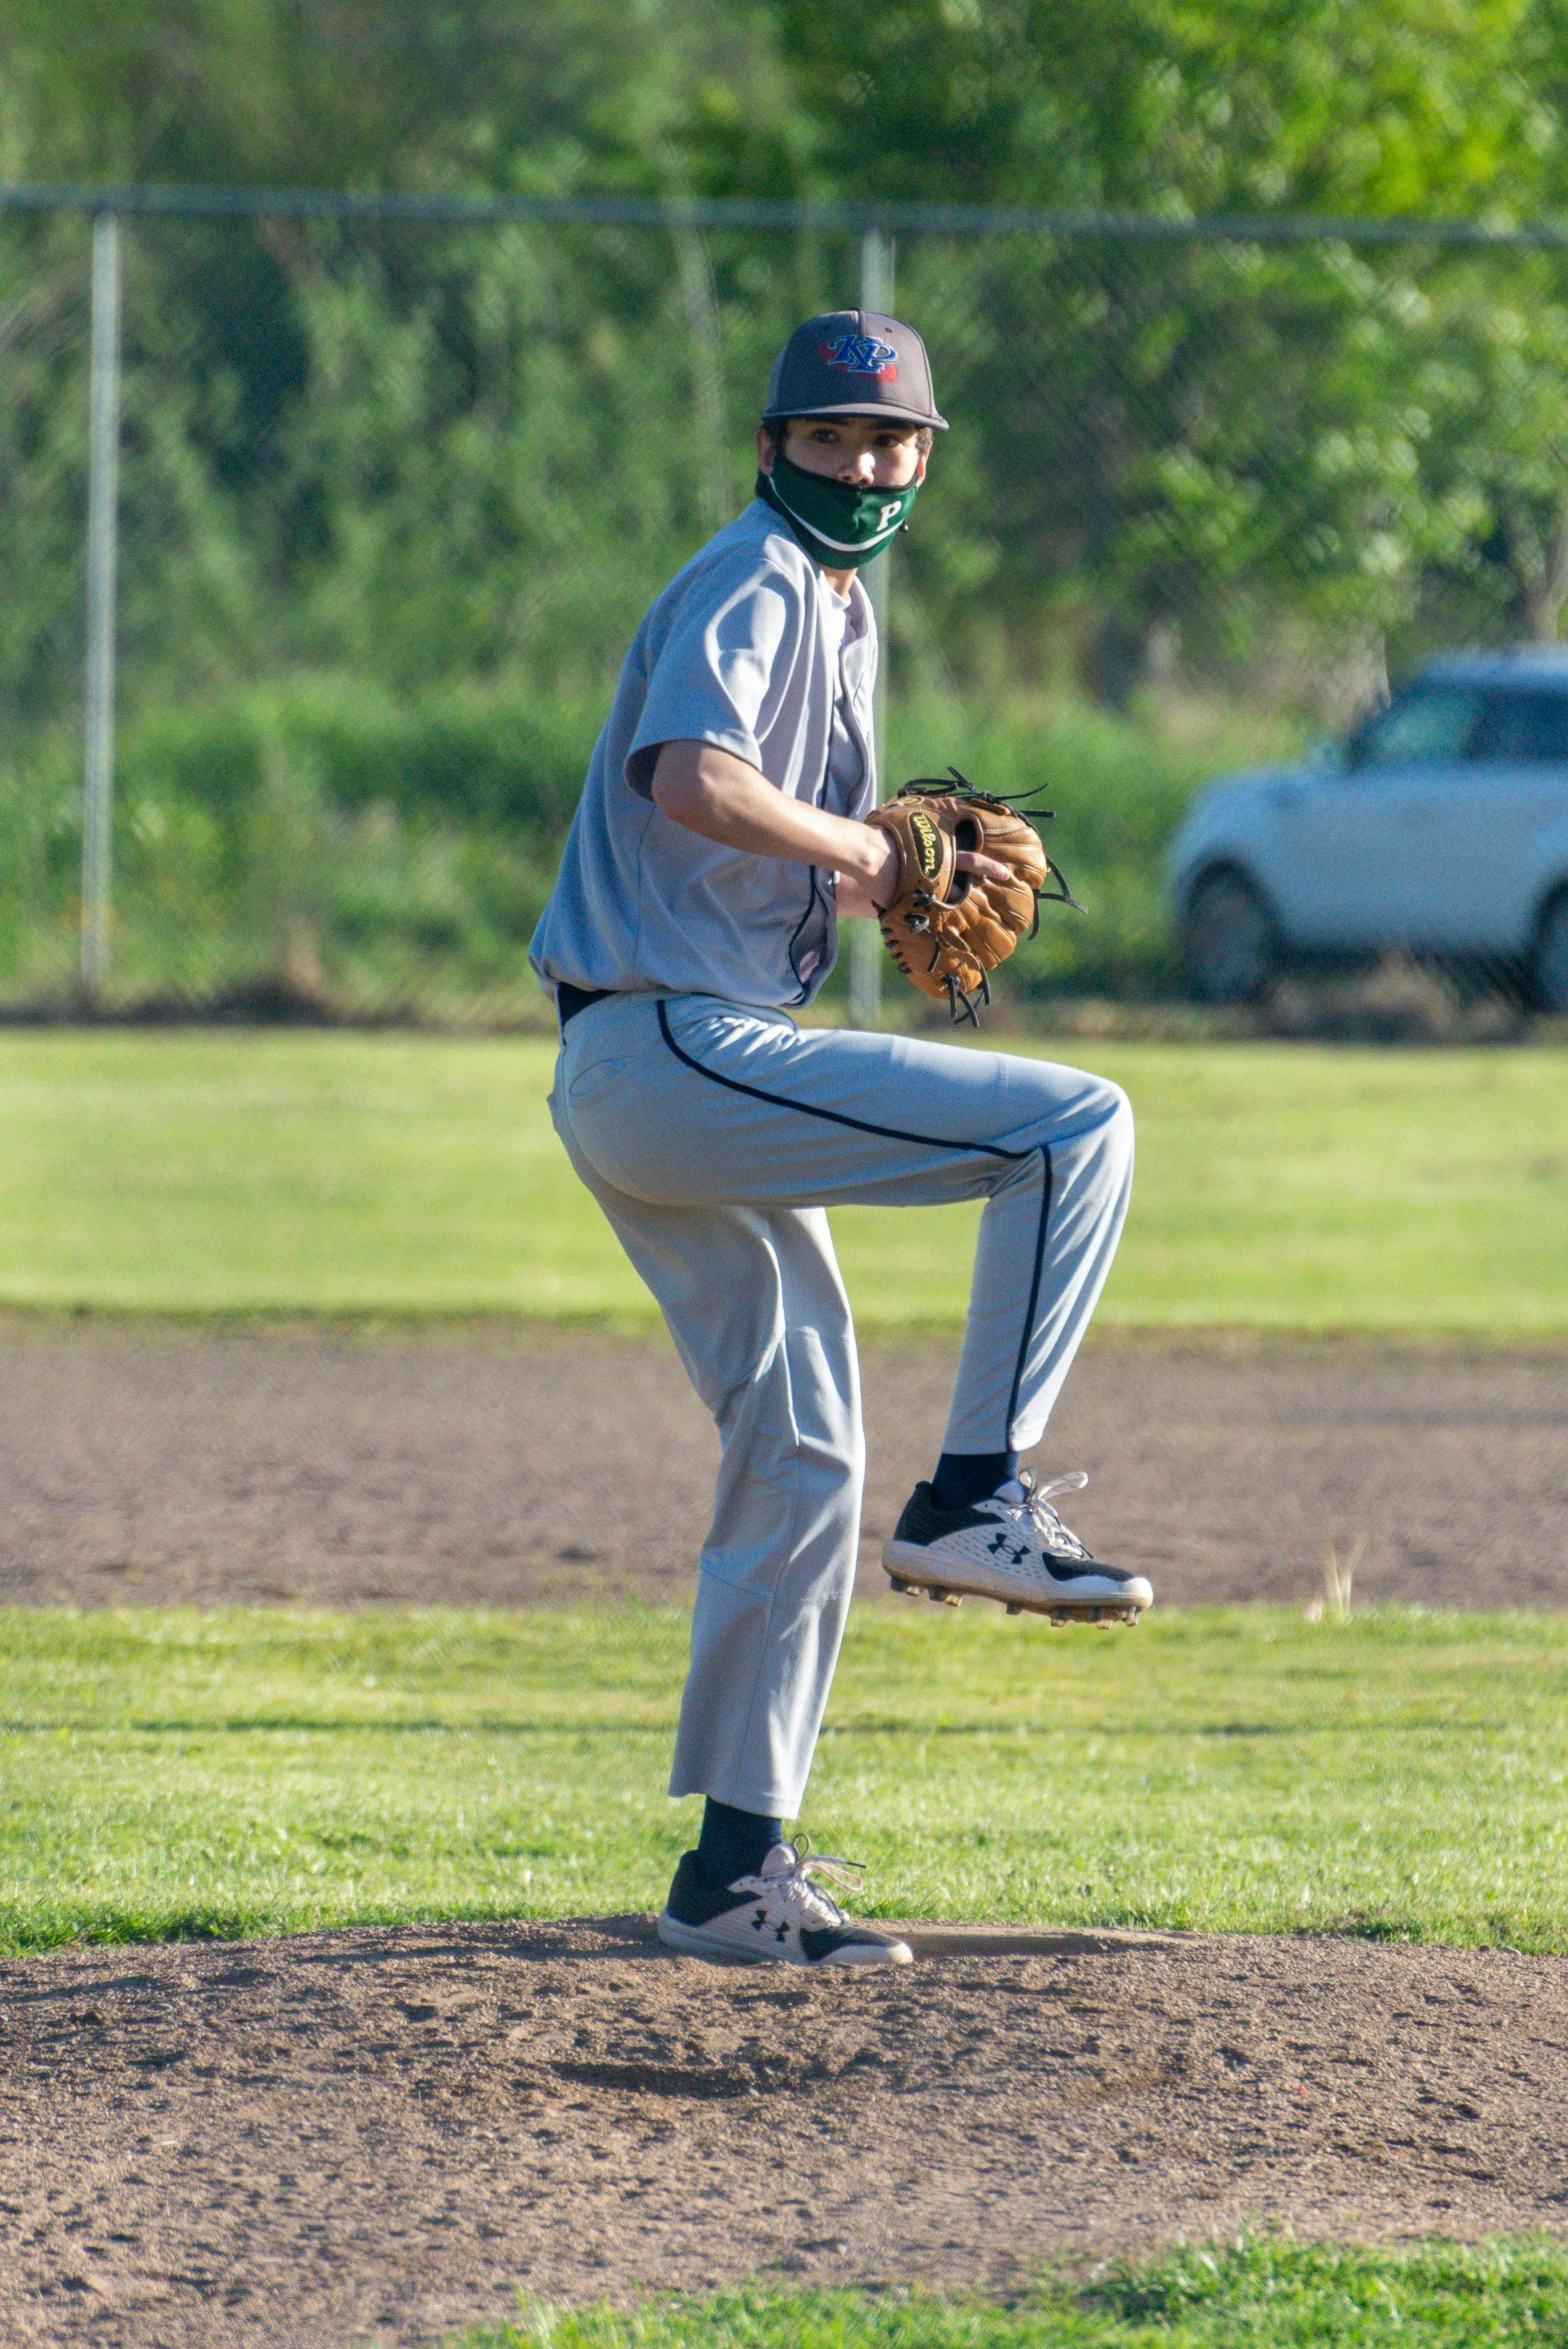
(922, 1521)
(694, 1900)
(820, 1941)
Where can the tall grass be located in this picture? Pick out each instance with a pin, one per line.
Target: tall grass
(324, 842)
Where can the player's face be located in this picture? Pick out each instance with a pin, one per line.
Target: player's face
(855, 449)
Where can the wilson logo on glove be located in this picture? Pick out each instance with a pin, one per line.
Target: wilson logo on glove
(927, 843)
(948, 928)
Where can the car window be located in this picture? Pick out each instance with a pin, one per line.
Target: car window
(1430, 726)
(1527, 727)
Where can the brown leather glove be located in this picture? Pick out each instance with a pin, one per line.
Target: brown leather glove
(947, 929)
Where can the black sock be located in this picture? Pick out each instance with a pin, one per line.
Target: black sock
(965, 1477)
(734, 1843)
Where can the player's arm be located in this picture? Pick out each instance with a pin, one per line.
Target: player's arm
(715, 794)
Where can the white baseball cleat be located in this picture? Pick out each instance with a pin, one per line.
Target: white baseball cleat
(1013, 1547)
(779, 1917)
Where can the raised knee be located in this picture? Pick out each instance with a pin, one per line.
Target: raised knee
(1117, 1116)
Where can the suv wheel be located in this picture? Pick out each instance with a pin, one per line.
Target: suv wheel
(1551, 956)
(1228, 940)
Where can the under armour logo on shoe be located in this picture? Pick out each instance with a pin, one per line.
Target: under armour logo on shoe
(759, 1920)
(1014, 1552)
(781, 1933)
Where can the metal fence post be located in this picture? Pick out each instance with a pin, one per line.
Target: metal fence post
(102, 520)
(707, 360)
(865, 943)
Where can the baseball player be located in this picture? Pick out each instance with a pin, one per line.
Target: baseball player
(722, 834)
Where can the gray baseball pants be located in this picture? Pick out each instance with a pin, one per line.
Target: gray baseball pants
(714, 1136)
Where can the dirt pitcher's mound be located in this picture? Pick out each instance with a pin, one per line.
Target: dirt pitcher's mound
(382, 2135)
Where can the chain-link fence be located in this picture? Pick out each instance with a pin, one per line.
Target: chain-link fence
(395, 483)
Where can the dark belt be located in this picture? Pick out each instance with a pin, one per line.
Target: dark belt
(569, 1001)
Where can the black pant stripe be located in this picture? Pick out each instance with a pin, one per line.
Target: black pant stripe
(1034, 1286)
(838, 1117)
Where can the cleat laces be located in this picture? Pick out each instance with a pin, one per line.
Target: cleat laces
(1033, 1514)
(812, 1906)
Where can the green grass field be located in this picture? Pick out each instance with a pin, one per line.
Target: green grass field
(1260, 2294)
(166, 1773)
(1283, 1186)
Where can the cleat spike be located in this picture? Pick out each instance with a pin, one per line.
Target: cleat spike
(1013, 1607)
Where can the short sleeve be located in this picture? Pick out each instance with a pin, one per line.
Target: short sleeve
(715, 674)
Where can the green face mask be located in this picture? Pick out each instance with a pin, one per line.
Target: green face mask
(840, 526)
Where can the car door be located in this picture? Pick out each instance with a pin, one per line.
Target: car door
(1363, 869)
(1490, 815)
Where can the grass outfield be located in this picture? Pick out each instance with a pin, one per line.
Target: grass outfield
(1284, 1186)
(1265, 2294)
(175, 1774)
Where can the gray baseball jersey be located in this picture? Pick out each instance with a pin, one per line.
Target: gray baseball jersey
(749, 648)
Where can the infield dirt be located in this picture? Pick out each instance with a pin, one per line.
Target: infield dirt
(516, 1467)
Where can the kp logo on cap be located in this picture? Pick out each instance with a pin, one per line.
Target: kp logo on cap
(862, 354)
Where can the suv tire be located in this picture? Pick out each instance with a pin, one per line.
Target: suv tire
(1549, 967)
(1228, 940)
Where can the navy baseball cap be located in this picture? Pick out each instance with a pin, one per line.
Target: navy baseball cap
(854, 363)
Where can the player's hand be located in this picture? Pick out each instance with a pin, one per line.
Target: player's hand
(866, 887)
(969, 860)
(866, 894)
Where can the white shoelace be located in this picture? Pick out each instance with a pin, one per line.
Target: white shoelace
(1033, 1513)
(794, 1886)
